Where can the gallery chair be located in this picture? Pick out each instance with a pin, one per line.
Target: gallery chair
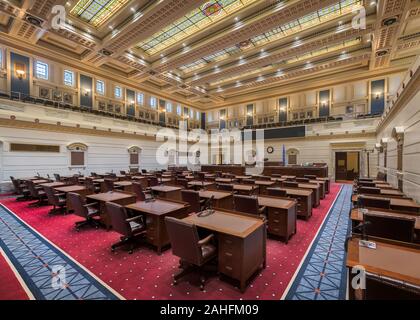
(193, 198)
(276, 192)
(130, 228)
(194, 253)
(395, 228)
(248, 204)
(57, 200)
(372, 202)
(87, 211)
(37, 193)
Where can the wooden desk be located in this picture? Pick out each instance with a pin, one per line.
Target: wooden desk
(304, 200)
(278, 179)
(167, 192)
(357, 216)
(316, 192)
(52, 184)
(155, 213)
(397, 204)
(200, 184)
(390, 192)
(225, 180)
(241, 242)
(115, 197)
(240, 178)
(76, 189)
(281, 216)
(384, 186)
(126, 185)
(322, 188)
(245, 189)
(396, 262)
(223, 200)
(264, 184)
(327, 183)
(40, 181)
(289, 177)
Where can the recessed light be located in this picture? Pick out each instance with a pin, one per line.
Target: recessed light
(237, 19)
(132, 9)
(111, 27)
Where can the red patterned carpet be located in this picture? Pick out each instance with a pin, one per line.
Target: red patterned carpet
(145, 275)
(10, 288)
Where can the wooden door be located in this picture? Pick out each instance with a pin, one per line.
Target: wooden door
(341, 166)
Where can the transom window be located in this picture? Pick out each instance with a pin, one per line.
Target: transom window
(153, 102)
(41, 70)
(140, 99)
(168, 107)
(100, 87)
(118, 92)
(69, 78)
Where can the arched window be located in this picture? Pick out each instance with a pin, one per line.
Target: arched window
(292, 156)
(134, 152)
(77, 154)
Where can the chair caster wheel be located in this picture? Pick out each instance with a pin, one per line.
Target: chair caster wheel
(174, 282)
(130, 252)
(202, 288)
(112, 249)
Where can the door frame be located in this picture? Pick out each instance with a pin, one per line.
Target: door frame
(333, 156)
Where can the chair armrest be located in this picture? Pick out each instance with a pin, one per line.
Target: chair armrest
(205, 240)
(91, 204)
(134, 218)
(262, 209)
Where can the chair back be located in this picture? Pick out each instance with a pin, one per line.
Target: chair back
(16, 185)
(246, 204)
(123, 173)
(395, 228)
(31, 186)
(184, 240)
(310, 176)
(369, 190)
(372, 202)
(290, 184)
(109, 185)
(193, 198)
(143, 171)
(248, 181)
(90, 186)
(57, 177)
(225, 187)
(73, 180)
(182, 182)
(77, 203)
(201, 176)
(138, 190)
(302, 179)
(118, 216)
(94, 174)
(52, 198)
(366, 184)
(153, 182)
(276, 192)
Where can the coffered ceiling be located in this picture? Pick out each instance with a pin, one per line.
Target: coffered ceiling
(212, 52)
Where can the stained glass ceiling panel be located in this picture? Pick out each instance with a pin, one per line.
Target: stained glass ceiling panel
(97, 12)
(341, 8)
(194, 21)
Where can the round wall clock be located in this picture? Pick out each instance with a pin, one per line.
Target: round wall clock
(270, 149)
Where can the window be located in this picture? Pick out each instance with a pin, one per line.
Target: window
(210, 116)
(118, 92)
(197, 115)
(41, 70)
(153, 102)
(69, 78)
(178, 109)
(1, 58)
(140, 99)
(191, 114)
(100, 87)
(169, 107)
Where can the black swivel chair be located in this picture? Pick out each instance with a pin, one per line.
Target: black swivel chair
(193, 198)
(21, 190)
(37, 193)
(194, 253)
(57, 200)
(248, 204)
(88, 211)
(142, 195)
(130, 228)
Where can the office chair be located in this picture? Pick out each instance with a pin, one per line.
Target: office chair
(92, 186)
(194, 253)
(84, 210)
(109, 185)
(143, 171)
(193, 198)
(276, 192)
(248, 204)
(182, 182)
(94, 174)
(201, 176)
(395, 228)
(123, 173)
(57, 177)
(21, 190)
(225, 187)
(290, 184)
(368, 190)
(248, 181)
(129, 228)
(73, 180)
(36, 193)
(142, 195)
(57, 200)
(153, 182)
(304, 180)
(372, 202)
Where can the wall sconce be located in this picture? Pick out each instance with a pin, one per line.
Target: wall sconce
(378, 95)
(324, 103)
(283, 109)
(87, 92)
(249, 114)
(20, 74)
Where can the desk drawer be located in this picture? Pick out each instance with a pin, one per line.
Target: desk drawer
(230, 255)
